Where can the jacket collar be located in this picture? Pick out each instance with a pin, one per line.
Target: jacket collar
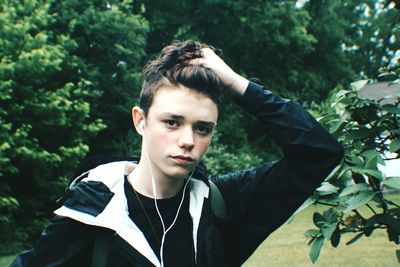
(112, 175)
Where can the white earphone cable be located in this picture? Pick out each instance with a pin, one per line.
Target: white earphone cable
(165, 231)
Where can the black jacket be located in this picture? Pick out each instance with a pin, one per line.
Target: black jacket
(258, 200)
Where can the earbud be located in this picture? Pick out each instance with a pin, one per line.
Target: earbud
(142, 126)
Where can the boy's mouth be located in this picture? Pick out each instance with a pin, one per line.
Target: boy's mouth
(183, 160)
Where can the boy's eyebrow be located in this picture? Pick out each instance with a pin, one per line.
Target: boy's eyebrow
(180, 117)
(172, 115)
(206, 123)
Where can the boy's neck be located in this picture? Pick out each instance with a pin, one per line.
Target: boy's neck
(141, 181)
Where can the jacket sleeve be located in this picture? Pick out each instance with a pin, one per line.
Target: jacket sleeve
(261, 199)
(64, 242)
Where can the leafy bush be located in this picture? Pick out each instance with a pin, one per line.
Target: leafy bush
(369, 131)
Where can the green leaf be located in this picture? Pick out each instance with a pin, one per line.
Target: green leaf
(359, 200)
(353, 160)
(372, 162)
(330, 215)
(346, 100)
(374, 173)
(393, 235)
(369, 153)
(387, 74)
(354, 189)
(398, 255)
(312, 233)
(356, 86)
(381, 160)
(318, 219)
(354, 239)
(335, 238)
(316, 248)
(342, 93)
(327, 118)
(327, 189)
(392, 182)
(392, 222)
(364, 102)
(343, 173)
(336, 172)
(359, 133)
(327, 230)
(391, 109)
(394, 145)
(338, 127)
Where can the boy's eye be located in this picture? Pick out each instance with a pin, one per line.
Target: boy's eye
(171, 123)
(203, 130)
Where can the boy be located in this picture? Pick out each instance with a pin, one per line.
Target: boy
(158, 212)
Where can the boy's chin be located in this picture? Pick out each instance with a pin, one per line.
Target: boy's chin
(180, 173)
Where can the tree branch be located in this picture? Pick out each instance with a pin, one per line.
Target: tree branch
(371, 209)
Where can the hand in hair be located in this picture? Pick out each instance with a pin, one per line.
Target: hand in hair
(231, 80)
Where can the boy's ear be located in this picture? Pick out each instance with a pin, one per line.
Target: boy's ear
(138, 119)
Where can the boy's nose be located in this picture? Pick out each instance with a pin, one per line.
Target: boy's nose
(186, 139)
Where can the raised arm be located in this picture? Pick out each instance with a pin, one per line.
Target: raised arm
(262, 198)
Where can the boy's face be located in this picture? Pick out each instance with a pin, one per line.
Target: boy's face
(178, 130)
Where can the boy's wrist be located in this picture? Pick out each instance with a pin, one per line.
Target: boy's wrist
(238, 85)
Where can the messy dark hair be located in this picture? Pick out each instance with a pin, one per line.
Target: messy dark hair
(173, 67)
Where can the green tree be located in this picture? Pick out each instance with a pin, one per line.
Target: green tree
(373, 37)
(36, 108)
(165, 19)
(328, 64)
(111, 43)
(68, 69)
(264, 39)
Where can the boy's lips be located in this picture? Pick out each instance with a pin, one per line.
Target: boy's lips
(184, 160)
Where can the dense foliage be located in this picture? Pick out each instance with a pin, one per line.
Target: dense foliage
(70, 72)
(59, 62)
(39, 102)
(369, 131)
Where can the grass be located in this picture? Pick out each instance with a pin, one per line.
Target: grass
(6, 260)
(288, 247)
